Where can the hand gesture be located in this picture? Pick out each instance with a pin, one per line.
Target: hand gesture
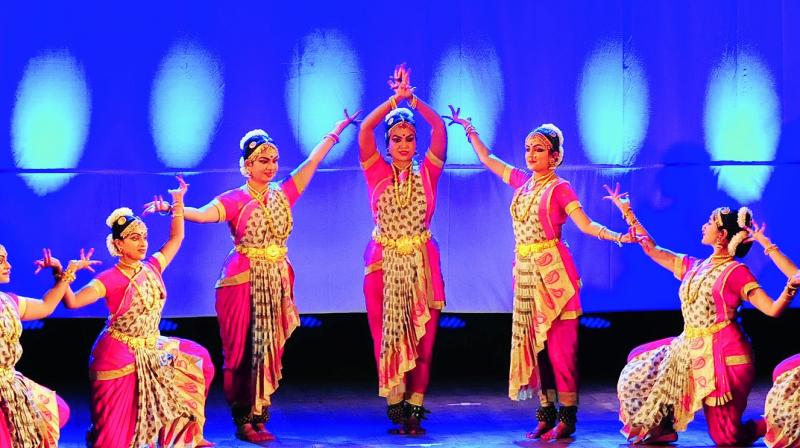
(48, 261)
(178, 193)
(455, 119)
(400, 82)
(621, 200)
(632, 237)
(347, 121)
(85, 261)
(757, 233)
(157, 205)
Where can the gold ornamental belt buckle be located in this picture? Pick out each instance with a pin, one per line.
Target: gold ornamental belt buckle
(699, 332)
(525, 250)
(272, 253)
(405, 245)
(134, 342)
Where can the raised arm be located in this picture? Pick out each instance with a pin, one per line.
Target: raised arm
(489, 160)
(757, 233)
(39, 309)
(367, 147)
(176, 229)
(305, 171)
(205, 214)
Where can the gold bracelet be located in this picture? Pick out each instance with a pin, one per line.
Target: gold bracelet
(177, 215)
(68, 276)
(770, 249)
(599, 235)
(393, 102)
(618, 239)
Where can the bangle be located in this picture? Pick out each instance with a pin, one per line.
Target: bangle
(629, 217)
(470, 130)
(68, 276)
(393, 102)
(177, 215)
(770, 249)
(413, 102)
(332, 136)
(618, 239)
(599, 235)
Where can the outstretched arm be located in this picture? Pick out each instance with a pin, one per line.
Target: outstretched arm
(775, 308)
(663, 257)
(176, 229)
(305, 171)
(205, 214)
(39, 309)
(489, 160)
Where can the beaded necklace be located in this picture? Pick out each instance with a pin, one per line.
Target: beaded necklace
(723, 259)
(261, 198)
(539, 185)
(402, 200)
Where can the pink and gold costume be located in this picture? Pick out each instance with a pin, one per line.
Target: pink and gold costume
(708, 366)
(147, 389)
(403, 283)
(782, 409)
(544, 341)
(255, 298)
(30, 415)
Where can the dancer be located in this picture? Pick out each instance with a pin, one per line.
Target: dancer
(403, 284)
(544, 341)
(709, 365)
(31, 414)
(255, 299)
(781, 414)
(147, 389)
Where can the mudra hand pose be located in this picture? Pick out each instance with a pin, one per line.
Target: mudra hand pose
(255, 290)
(709, 365)
(544, 341)
(403, 284)
(147, 389)
(30, 414)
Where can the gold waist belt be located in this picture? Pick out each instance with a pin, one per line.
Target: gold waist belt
(524, 250)
(404, 245)
(272, 253)
(696, 332)
(134, 342)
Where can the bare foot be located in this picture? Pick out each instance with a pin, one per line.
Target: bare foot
(540, 430)
(248, 433)
(266, 435)
(561, 431)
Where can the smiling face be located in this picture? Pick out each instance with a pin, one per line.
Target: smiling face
(402, 142)
(539, 156)
(5, 266)
(263, 168)
(133, 246)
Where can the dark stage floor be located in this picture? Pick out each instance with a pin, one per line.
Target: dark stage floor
(314, 415)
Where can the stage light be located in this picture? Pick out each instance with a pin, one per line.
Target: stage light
(612, 105)
(451, 322)
(325, 78)
(470, 78)
(50, 121)
(310, 322)
(186, 104)
(742, 123)
(168, 326)
(595, 322)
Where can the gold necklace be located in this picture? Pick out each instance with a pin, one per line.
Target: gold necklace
(724, 259)
(149, 303)
(261, 198)
(135, 267)
(402, 201)
(542, 182)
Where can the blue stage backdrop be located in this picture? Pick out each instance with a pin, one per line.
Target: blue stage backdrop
(690, 105)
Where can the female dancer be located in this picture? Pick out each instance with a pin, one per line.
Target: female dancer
(783, 400)
(255, 300)
(147, 390)
(544, 341)
(403, 283)
(30, 415)
(709, 365)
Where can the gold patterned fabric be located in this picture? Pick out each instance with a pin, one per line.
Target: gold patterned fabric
(674, 380)
(159, 402)
(274, 315)
(24, 420)
(783, 410)
(542, 288)
(405, 286)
